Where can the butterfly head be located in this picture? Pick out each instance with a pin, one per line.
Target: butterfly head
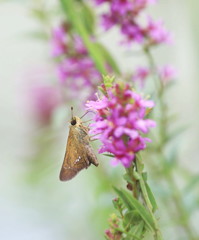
(75, 121)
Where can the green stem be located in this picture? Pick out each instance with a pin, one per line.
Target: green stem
(129, 171)
(183, 215)
(157, 235)
(163, 128)
(153, 68)
(138, 186)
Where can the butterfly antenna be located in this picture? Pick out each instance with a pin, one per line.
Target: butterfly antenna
(71, 111)
(84, 114)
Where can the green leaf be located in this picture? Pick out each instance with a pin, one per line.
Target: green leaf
(139, 163)
(76, 20)
(133, 203)
(108, 58)
(132, 218)
(108, 155)
(88, 17)
(138, 230)
(194, 182)
(102, 90)
(106, 237)
(144, 176)
(143, 213)
(151, 197)
(117, 204)
(136, 175)
(127, 178)
(108, 80)
(131, 236)
(125, 199)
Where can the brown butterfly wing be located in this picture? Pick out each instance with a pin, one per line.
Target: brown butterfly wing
(76, 156)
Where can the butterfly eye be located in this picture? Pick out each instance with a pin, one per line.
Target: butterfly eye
(73, 122)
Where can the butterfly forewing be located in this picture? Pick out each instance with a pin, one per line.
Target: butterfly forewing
(78, 154)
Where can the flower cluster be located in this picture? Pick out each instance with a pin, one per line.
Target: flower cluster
(113, 233)
(76, 69)
(120, 121)
(126, 15)
(165, 74)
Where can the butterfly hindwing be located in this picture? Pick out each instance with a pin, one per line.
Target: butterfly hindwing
(76, 156)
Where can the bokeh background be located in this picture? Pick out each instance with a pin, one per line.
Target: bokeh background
(34, 204)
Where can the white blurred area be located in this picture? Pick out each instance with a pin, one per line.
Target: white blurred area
(24, 213)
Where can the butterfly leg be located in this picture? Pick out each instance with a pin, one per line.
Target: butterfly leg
(93, 140)
(87, 163)
(91, 156)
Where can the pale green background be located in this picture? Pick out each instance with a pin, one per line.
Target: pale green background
(41, 213)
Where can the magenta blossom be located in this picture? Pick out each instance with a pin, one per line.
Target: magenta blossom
(120, 122)
(121, 6)
(59, 41)
(77, 73)
(157, 33)
(167, 73)
(75, 67)
(109, 234)
(140, 75)
(125, 14)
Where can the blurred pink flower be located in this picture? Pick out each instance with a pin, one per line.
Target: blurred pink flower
(133, 32)
(44, 100)
(167, 73)
(125, 14)
(109, 234)
(72, 70)
(59, 41)
(108, 21)
(120, 121)
(75, 67)
(140, 75)
(121, 6)
(157, 33)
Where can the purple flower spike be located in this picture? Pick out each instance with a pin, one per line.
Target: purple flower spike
(59, 41)
(76, 70)
(126, 15)
(120, 121)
